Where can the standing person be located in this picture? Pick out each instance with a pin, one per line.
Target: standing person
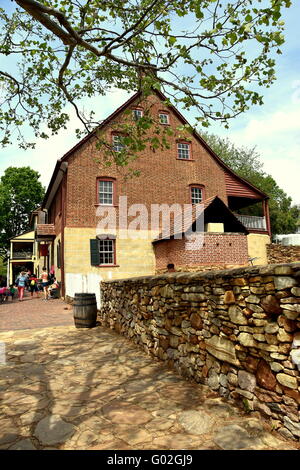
(45, 282)
(12, 292)
(33, 285)
(21, 282)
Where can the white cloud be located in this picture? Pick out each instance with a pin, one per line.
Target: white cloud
(43, 158)
(276, 136)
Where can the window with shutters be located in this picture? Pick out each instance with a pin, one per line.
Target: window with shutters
(58, 255)
(103, 252)
(107, 252)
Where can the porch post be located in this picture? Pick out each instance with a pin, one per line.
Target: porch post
(267, 216)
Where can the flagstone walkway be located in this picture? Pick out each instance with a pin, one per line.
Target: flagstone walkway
(65, 388)
(34, 313)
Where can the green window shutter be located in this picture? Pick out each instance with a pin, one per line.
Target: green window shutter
(95, 256)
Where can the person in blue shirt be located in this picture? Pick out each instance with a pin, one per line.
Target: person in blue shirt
(21, 283)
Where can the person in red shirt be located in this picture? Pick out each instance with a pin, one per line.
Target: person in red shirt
(33, 285)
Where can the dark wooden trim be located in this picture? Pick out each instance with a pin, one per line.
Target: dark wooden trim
(63, 225)
(262, 232)
(267, 216)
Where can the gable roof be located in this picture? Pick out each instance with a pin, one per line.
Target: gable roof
(118, 111)
(212, 203)
(28, 235)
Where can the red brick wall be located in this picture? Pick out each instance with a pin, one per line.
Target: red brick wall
(218, 249)
(163, 179)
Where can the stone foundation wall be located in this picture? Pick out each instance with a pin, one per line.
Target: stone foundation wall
(283, 253)
(238, 331)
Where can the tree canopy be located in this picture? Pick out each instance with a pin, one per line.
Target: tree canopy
(20, 193)
(208, 56)
(247, 164)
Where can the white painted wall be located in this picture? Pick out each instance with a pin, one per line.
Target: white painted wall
(83, 283)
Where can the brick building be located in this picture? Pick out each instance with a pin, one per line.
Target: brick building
(186, 173)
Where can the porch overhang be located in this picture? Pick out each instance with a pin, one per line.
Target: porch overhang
(215, 211)
(45, 233)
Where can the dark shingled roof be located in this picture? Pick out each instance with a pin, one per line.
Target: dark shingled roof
(178, 226)
(45, 230)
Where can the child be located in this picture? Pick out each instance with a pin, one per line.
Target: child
(33, 285)
(53, 289)
(11, 292)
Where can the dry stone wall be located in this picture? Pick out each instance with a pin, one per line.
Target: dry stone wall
(238, 331)
(283, 253)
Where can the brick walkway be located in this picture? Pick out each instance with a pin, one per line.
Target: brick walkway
(34, 313)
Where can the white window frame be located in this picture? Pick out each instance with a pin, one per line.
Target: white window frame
(137, 113)
(201, 194)
(104, 193)
(164, 118)
(104, 249)
(183, 151)
(118, 145)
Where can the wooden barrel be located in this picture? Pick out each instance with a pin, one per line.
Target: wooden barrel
(85, 310)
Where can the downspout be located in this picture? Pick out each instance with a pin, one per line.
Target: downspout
(60, 179)
(267, 216)
(63, 223)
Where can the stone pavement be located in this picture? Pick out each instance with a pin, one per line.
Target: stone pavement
(63, 388)
(34, 313)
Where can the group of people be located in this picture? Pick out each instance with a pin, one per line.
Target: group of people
(30, 281)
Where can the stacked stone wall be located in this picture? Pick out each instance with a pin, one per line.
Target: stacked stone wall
(283, 253)
(238, 331)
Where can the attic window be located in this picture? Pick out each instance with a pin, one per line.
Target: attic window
(164, 118)
(183, 151)
(137, 113)
(117, 143)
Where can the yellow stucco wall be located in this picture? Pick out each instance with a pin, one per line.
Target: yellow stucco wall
(214, 227)
(257, 247)
(134, 257)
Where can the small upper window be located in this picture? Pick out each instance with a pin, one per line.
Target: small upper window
(164, 118)
(196, 195)
(137, 114)
(118, 144)
(183, 151)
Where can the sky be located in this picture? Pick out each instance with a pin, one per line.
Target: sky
(273, 128)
